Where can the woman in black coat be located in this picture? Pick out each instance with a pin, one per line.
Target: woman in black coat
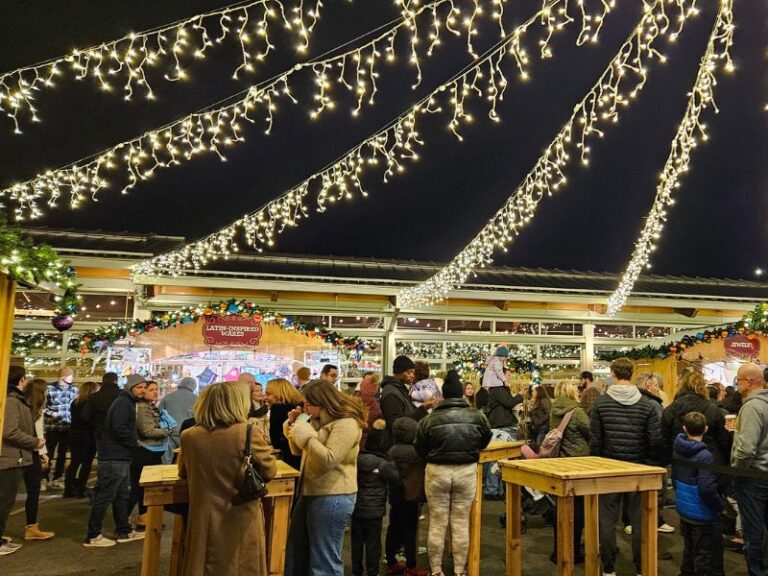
(282, 397)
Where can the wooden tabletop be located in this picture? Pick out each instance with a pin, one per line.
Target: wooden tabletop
(578, 468)
(165, 474)
(503, 445)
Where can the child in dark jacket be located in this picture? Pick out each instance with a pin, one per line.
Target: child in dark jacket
(405, 498)
(374, 472)
(698, 501)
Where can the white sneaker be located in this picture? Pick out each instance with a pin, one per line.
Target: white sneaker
(8, 547)
(422, 550)
(58, 484)
(43, 485)
(98, 542)
(609, 573)
(130, 537)
(628, 530)
(666, 529)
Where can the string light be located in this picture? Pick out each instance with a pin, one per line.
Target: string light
(128, 60)
(689, 134)
(388, 150)
(216, 128)
(617, 87)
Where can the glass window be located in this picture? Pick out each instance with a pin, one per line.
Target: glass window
(25, 343)
(613, 331)
(367, 360)
(421, 324)
(469, 326)
(419, 350)
(506, 327)
(317, 320)
(558, 371)
(457, 350)
(371, 322)
(560, 351)
(652, 331)
(560, 328)
(105, 307)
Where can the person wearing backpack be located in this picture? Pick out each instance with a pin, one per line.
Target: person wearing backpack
(574, 441)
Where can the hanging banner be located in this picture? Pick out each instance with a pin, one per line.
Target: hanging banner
(231, 330)
(741, 347)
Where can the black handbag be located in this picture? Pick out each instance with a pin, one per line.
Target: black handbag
(254, 486)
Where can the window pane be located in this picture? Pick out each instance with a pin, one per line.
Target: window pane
(419, 350)
(560, 371)
(469, 326)
(560, 351)
(517, 327)
(613, 331)
(421, 324)
(558, 328)
(358, 322)
(24, 343)
(457, 350)
(105, 307)
(367, 360)
(652, 331)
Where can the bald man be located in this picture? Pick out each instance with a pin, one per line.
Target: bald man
(750, 453)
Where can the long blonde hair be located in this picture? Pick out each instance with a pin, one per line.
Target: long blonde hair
(284, 392)
(337, 404)
(568, 389)
(693, 381)
(84, 391)
(223, 404)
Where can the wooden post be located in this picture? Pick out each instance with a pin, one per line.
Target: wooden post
(514, 536)
(150, 561)
(591, 536)
(649, 539)
(7, 307)
(177, 545)
(565, 536)
(475, 521)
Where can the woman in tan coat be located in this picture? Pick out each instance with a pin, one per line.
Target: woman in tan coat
(226, 536)
(327, 436)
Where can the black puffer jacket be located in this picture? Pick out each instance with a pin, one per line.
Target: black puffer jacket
(717, 438)
(97, 405)
(501, 407)
(396, 403)
(625, 425)
(453, 434)
(374, 472)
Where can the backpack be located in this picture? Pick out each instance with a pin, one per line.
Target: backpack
(550, 446)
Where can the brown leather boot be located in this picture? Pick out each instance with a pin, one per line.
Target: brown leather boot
(141, 522)
(33, 532)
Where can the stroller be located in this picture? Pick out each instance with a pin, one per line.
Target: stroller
(533, 502)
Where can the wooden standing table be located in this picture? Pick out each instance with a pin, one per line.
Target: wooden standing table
(587, 476)
(162, 486)
(494, 452)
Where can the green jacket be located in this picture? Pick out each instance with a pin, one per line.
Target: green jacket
(576, 436)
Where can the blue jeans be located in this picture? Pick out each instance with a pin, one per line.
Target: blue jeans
(752, 496)
(112, 487)
(316, 535)
(492, 484)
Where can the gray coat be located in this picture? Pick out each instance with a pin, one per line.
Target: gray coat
(19, 440)
(148, 425)
(179, 404)
(750, 443)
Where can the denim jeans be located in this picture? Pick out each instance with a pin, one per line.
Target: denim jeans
(698, 542)
(113, 480)
(492, 484)
(752, 497)
(316, 535)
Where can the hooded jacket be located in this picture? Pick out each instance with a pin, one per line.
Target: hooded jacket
(120, 436)
(410, 465)
(717, 438)
(697, 498)
(396, 403)
(454, 433)
(148, 425)
(179, 403)
(576, 436)
(424, 389)
(374, 473)
(624, 425)
(501, 407)
(494, 372)
(19, 440)
(750, 443)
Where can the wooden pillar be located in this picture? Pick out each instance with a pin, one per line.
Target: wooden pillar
(7, 301)
(591, 536)
(649, 536)
(514, 536)
(565, 541)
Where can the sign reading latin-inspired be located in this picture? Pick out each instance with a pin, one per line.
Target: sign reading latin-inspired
(231, 330)
(739, 346)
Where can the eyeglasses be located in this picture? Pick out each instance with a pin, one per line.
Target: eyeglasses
(743, 379)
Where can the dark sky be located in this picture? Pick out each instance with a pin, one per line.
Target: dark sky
(717, 228)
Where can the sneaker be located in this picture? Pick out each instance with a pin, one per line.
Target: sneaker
(98, 542)
(421, 550)
(628, 530)
(58, 484)
(8, 547)
(43, 485)
(33, 532)
(609, 571)
(130, 537)
(666, 528)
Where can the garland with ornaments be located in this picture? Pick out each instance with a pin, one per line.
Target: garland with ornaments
(106, 335)
(753, 324)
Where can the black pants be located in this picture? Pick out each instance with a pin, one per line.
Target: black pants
(57, 443)
(609, 506)
(82, 445)
(366, 538)
(697, 551)
(9, 485)
(578, 526)
(142, 457)
(402, 530)
(32, 477)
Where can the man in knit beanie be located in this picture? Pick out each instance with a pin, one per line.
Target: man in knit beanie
(395, 398)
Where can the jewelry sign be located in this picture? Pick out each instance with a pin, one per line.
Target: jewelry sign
(742, 347)
(231, 330)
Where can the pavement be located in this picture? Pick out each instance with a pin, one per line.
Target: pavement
(65, 555)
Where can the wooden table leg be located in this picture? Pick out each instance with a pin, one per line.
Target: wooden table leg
(514, 537)
(649, 539)
(278, 537)
(150, 560)
(591, 536)
(475, 522)
(177, 545)
(565, 536)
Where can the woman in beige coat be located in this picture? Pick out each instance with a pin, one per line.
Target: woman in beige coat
(226, 536)
(328, 442)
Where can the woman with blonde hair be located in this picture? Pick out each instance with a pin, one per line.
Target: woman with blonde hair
(327, 436)
(225, 534)
(282, 397)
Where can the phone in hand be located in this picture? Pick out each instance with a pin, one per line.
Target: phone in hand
(303, 418)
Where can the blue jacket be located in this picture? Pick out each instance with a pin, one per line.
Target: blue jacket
(697, 497)
(120, 436)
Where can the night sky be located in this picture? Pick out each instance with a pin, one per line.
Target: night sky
(717, 228)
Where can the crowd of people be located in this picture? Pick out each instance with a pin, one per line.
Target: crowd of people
(386, 448)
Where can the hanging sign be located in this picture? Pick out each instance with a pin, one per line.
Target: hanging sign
(741, 347)
(231, 330)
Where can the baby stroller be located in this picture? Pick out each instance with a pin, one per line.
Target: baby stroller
(533, 502)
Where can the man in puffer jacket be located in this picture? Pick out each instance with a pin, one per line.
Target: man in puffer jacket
(625, 426)
(698, 500)
(450, 440)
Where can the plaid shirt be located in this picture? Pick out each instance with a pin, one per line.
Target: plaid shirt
(58, 400)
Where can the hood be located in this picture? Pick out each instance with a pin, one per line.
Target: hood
(188, 383)
(368, 389)
(127, 394)
(686, 447)
(562, 405)
(394, 382)
(404, 430)
(760, 395)
(625, 394)
(376, 440)
(649, 395)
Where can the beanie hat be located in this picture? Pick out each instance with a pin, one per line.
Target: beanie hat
(402, 364)
(134, 380)
(452, 387)
(404, 430)
(502, 351)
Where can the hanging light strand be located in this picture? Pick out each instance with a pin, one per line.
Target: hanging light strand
(220, 126)
(130, 59)
(388, 151)
(617, 87)
(690, 134)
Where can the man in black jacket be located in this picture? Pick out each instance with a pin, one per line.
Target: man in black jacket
(450, 440)
(624, 426)
(395, 399)
(119, 441)
(97, 405)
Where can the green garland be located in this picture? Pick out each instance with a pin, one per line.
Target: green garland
(754, 322)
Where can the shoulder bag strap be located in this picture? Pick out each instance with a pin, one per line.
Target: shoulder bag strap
(564, 422)
(248, 437)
